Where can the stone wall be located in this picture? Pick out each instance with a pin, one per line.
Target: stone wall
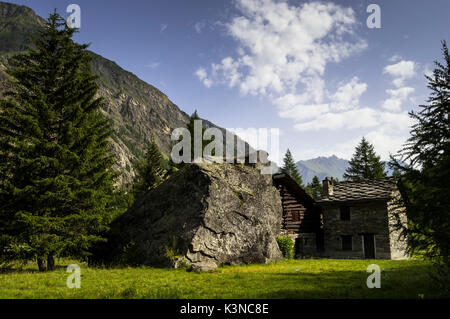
(305, 244)
(369, 217)
(397, 220)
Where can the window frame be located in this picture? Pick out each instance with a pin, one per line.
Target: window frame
(295, 216)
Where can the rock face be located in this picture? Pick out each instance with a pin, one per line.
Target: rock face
(204, 216)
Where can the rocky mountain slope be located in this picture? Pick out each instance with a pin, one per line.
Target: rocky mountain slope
(139, 112)
(322, 167)
(16, 24)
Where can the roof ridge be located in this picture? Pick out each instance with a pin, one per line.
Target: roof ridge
(365, 189)
(367, 180)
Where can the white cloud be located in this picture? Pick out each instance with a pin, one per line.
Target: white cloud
(163, 27)
(282, 54)
(283, 46)
(357, 118)
(229, 69)
(303, 112)
(386, 144)
(401, 71)
(203, 76)
(199, 26)
(427, 70)
(153, 65)
(397, 97)
(284, 50)
(385, 130)
(390, 137)
(347, 96)
(394, 122)
(395, 58)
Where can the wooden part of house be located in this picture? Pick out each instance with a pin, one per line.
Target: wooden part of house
(299, 212)
(302, 219)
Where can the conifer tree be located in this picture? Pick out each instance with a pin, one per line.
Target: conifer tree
(57, 181)
(315, 188)
(190, 126)
(424, 167)
(290, 168)
(149, 172)
(365, 163)
(334, 180)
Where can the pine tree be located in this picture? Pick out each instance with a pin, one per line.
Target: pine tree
(315, 188)
(424, 166)
(57, 182)
(190, 126)
(150, 172)
(365, 163)
(290, 168)
(334, 180)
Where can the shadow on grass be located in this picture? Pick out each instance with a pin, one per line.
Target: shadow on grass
(412, 282)
(18, 269)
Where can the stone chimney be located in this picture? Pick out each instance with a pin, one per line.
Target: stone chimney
(327, 186)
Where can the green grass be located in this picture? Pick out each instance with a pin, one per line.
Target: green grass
(287, 279)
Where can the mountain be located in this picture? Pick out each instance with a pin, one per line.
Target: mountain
(16, 24)
(138, 111)
(322, 167)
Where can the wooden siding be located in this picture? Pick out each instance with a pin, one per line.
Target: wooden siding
(298, 216)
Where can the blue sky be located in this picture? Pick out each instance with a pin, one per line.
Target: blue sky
(312, 69)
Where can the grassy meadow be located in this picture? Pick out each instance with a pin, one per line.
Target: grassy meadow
(307, 278)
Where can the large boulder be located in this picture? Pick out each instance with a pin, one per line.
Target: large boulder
(203, 216)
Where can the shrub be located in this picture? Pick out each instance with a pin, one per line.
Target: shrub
(130, 255)
(172, 249)
(286, 246)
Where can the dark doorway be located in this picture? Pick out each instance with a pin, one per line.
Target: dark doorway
(369, 246)
(320, 243)
(298, 251)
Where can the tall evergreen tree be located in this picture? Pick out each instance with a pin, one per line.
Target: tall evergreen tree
(315, 188)
(190, 126)
(365, 163)
(57, 181)
(424, 166)
(149, 172)
(290, 168)
(334, 180)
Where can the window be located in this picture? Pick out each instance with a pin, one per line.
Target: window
(347, 243)
(345, 213)
(295, 216)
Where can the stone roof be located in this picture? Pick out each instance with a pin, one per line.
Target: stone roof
(363, 190)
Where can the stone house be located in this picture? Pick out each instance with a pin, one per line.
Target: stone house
(359, 219)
